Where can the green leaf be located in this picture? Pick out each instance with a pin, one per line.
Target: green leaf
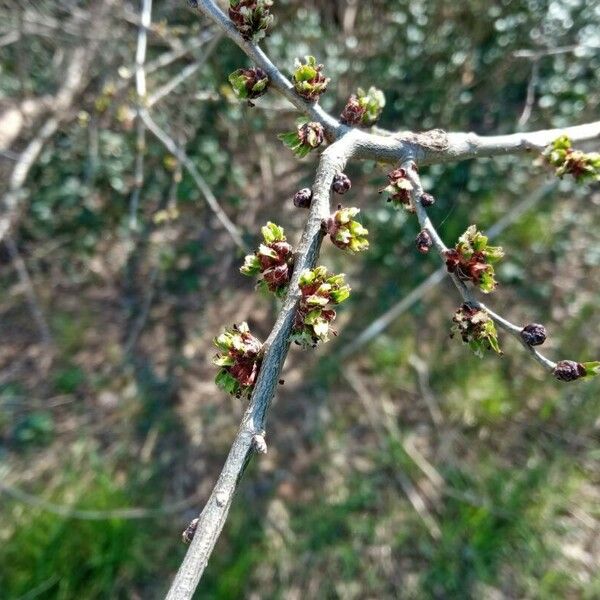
(223, 360)
(251, 265)
(592, 369)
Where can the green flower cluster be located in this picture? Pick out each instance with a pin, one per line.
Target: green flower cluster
(272, 261)
(476, 329)
(239, 360)
(320, 291)
(363, 108)
(249, 84)
(251, 18)
(307, 137)
(308, 79)
(566, 161)
(472, 259)
(346, 233)
(399, 189)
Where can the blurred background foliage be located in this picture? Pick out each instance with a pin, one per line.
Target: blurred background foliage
(406, 469)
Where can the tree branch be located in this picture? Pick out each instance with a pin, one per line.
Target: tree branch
(382, 322)
(464, 291)
(215, 512)
(212, 202)
(278, 80)
(429, 147)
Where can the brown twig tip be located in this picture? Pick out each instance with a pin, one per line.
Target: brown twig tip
(259, 443)
(188, 533)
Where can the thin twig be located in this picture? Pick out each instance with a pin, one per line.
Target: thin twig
(30, 293)
(69, 512)
(140, 88)
(465, 292)
(201, 184)
(213, 517)
(381, 323)
(184, 74)
(530, 96)
(384, 428)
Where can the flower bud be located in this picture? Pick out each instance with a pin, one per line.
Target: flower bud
(346, 233)
(309, 82)
(341, 183)
(363, 108)
(307, 137)
(569, 370)
(476, 328)
(249, 84)
(472, 259)
(534, 334)
(568, 161)
(303, 198)
(251, 18)
(239, 360)
(188, 534)
(423, 242)
(272, 261)
(353, 112)
(427, 199)
(319, 292)
(399, 189)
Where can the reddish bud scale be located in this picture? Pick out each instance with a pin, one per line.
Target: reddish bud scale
(341, 183)
(569, 370)
(303, 198)
(353, 112)
(427, 199)
(534, 334)
(423, 242)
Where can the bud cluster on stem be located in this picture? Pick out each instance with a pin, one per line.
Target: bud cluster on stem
(476, 328)
(307, 137)
(239, 358)
(249, 84)
(252, 18)
(272, 262)
(567, 161)
(308, 79)
(345, 233)
(472, 259)
(363, 108)
(399, 189)
(320, 291)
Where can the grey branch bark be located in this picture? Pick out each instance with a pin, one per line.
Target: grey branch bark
(215, 512)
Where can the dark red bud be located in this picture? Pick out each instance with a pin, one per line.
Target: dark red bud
(283, 249)
(303, 198)
(341, 183)
(534, 334)
(277, 276)
(427, 199)
(569, 370)
(423, 242)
